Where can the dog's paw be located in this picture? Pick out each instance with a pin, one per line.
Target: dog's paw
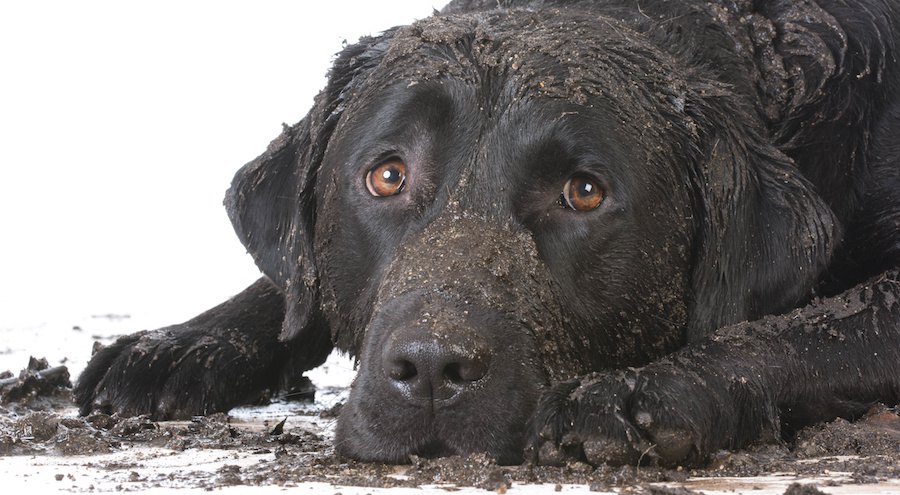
(178, 372)
(652, 415)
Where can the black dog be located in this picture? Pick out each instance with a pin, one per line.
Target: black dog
(593, 230)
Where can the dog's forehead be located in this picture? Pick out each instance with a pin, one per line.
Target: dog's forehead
(547, 54)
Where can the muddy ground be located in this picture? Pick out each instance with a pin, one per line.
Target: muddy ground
(37, 419)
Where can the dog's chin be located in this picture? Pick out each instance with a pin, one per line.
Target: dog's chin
(358, 436)
(437, 448)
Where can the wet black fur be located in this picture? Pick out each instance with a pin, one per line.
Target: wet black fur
(740, 279)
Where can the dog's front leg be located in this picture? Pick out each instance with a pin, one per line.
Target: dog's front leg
(227, 356)
(834, 357)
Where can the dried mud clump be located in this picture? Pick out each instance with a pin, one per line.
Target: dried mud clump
(55, 433)
(878, 433)
(479, 471)
(36, 386)
(803, 489)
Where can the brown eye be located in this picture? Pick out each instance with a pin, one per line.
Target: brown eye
(582, 194)
(386, 179)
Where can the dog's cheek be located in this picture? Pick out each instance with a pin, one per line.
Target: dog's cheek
(343, 260)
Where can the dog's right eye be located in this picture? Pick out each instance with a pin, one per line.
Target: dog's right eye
(581, 193)
(387, 178)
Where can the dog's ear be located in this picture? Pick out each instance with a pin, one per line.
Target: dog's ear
(271, 205)
(765, 236)
(271, 201)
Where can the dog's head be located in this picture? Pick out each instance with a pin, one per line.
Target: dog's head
(477, 205)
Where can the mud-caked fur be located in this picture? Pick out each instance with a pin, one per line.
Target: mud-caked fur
(739, 278)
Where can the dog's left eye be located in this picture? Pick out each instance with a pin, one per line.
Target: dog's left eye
(387, 178)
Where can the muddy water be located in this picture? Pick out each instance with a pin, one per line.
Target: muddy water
(41, 437)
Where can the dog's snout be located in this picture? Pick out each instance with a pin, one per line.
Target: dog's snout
(427, 366)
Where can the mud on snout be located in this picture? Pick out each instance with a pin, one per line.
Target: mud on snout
(455, 355)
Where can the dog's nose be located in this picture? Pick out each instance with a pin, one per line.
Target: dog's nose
(435, 366)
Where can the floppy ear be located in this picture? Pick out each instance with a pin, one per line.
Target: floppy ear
(765, 235)
(271, 206)
(271, 201)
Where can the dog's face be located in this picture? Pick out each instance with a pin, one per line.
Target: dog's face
(491, 203)
(483, 231)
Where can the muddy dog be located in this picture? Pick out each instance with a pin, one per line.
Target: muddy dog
(568, 230)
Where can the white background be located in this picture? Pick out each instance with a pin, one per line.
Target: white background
(121, 126)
